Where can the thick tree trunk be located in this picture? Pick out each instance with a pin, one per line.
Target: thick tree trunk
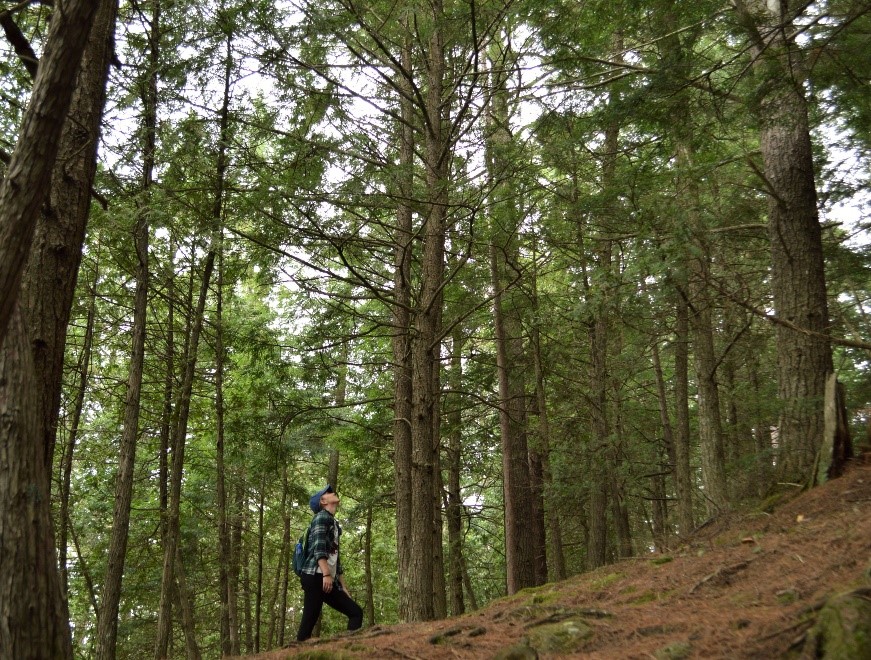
(804, 356)
(185, 605)
(33, 614)
(29, 174)
(49, 281)
(713, 457)
(62, 121)
(401, 341)
(439, 587)
(516, 485)
(426, 339)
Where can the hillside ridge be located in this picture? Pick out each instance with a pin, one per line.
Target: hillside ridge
(746, 585)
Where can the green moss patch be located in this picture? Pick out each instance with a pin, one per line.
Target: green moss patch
(562, 637)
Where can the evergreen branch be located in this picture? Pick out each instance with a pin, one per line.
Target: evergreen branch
(19, 42)
(776, 320)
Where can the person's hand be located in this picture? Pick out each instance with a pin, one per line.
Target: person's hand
(328, 583)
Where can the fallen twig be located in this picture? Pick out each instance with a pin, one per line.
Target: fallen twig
(721, 574)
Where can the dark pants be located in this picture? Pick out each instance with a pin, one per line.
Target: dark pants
(313, 588)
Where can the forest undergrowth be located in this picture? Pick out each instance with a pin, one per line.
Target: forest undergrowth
(746, 585)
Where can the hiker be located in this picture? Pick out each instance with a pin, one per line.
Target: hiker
(322, 578)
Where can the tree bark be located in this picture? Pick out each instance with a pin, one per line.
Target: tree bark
(521, 545)
(181, 417)
(603, 454)
(49, 281)
(182, 408)
(224, 556)
(683, 479)
(284, 567)
(555, 555)
(369, 602)
(258, 587)
(63, 524)
(235, 568)
(401, 340)
(29, 174)
(107, 626)
(426, 338)
(454, 508)
(33, 614)
(798, 282)
(39, 259)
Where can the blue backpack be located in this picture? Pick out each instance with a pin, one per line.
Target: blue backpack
(301, 552)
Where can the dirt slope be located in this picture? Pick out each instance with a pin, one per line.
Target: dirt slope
(746, 586)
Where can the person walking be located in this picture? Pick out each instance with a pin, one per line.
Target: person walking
(322, 579)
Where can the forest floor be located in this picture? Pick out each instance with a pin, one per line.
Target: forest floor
(746, 585)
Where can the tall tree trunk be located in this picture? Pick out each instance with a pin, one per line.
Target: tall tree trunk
(258, 587)
(521, 546)
(48, 286)
(603, 455)
(555, 554)
(439, 588)
(425, 341)
(182, 408)
(185, 604)
(660, 509)
(235, 568)
(31, 167)
(454, 508)
(804, 355)
(168, 393)
(711, 442)
(282, 572)
(179, 434)
(33, 614)
(224, 557)
(107, 626)
(39, 260)
(682, 471)
(63, 524)
(401, 341)
(369, 603)
(519, 542)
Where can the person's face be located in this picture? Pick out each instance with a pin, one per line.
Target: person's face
(330, 502)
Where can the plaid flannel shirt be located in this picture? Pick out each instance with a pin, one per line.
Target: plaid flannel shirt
(322, 542)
